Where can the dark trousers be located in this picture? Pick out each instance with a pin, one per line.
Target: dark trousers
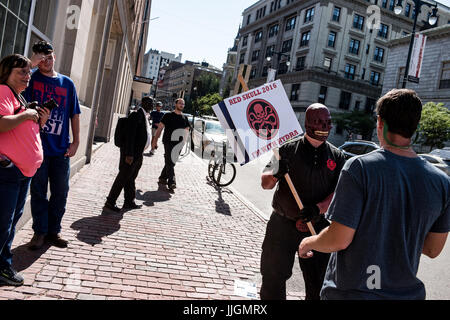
(126, 180)
(279, 250)
(168, 172)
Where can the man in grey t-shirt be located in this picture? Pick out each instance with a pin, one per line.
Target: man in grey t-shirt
(390, 207)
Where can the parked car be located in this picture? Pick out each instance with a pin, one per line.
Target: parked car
(358, 147)
(437, 161)
(209, 135)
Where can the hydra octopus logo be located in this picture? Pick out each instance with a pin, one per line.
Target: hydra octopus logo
(263, 119)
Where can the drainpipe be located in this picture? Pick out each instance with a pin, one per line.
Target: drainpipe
(99, 78)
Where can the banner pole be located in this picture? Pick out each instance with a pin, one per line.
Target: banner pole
(287, 177)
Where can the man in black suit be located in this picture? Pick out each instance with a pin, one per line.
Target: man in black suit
(137, 140)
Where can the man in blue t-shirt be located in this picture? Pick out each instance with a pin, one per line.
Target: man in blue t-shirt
(47, 84)
(156, 117)
(390, 207)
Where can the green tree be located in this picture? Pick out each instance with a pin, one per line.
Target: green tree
(207, 83)
(356, 122)
(434, 128)
(204, 104)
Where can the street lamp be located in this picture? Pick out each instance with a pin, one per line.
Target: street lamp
(279, 55)
(431, 20)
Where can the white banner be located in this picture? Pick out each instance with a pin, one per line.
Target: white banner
(258, 121)
(415, 67)
(271, 74)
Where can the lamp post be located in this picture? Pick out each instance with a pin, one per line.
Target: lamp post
(431, 20)
(279, 55)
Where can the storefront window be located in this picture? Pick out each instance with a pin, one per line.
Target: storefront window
(14, 15)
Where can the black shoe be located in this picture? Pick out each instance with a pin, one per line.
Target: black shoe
(111, 207)
(172, 186)
(57, 241)
(36, 242)
(11, 277)
(131, 206)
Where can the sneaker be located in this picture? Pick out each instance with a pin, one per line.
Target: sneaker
(36, 242)
(111, 207)
(57, 241)
(131, 206)
(11, 277)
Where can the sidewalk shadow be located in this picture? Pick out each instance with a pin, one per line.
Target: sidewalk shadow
(92, 230)
(221, 206)
(150, 197)
(23, 257)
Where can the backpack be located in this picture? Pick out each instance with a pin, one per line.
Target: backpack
(119, 134)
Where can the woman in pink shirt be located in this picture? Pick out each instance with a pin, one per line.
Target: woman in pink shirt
(20, 154)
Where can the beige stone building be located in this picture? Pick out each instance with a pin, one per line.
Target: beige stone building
(76, 28)
(325, 51)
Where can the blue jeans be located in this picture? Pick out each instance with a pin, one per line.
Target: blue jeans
(13, 193)
(48, 213)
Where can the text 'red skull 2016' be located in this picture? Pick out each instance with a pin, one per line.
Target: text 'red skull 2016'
(318, 122)
(263, 119)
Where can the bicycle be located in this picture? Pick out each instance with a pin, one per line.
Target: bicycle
(221, 172)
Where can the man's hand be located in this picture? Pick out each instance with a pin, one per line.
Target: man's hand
(129, 160)
(72, 149)
(283, 169)
(310, 213)
(36, 59)
(304, 251)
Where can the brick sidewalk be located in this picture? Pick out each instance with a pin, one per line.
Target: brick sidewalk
(189, 245)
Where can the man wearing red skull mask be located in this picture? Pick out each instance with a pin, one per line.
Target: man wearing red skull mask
(314, 166)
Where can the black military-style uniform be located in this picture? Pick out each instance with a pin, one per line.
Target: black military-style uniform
(314, 173)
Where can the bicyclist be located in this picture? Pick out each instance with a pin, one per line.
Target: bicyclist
(314, 166)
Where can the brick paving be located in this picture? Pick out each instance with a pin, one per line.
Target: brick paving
(189, 245)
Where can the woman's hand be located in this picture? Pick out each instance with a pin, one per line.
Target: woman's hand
(30, 114)
(44, 114)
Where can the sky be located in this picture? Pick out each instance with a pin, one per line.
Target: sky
(202, 30)
(199, 29)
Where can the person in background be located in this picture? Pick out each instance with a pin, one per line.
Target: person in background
(20, 154)
(47, 84)
(156, 117)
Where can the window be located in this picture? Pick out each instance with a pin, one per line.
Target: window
(309, 15)
(354, 46)
(384, 30)
(358, 22)
(290, 23)
(255, 55)
(305, 39)
(350, 70)
(13, 26)
(258, 36)
(363, 75)
(253, 73)
(244, 41)
(323, 94)
(295, 92)
(408, 9)
(327, 63)
(374, 78)
(384, 3)
(269, 51)
(242, 58)
(336, 14)
(445, 76)
(370, 105)
(282, 68)
(391, 5)
(287, 46)
(379, 54)
(300, 63)
(332, 39)
(273, 31)
(248, 19)
(346, 98)
(357, 105)
(368, 49)
(265, 71)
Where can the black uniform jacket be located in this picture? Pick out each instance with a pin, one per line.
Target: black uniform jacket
(314, 173)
